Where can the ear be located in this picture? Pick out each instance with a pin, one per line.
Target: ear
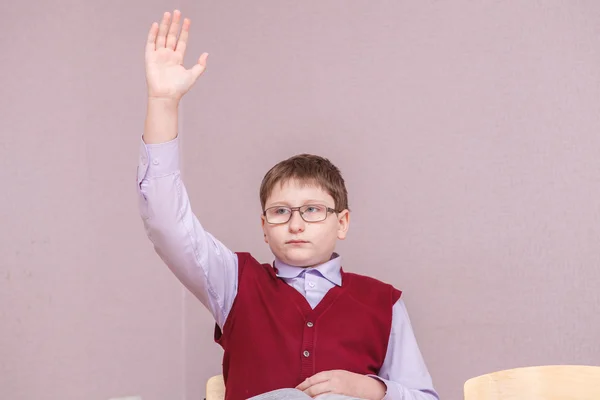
(263, 222)
(343, 224)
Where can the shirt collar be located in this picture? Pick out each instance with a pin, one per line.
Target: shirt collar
(330, 270)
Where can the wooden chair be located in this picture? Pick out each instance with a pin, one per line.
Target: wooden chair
(552, 382)
(215, 388)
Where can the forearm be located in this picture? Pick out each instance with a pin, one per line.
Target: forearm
(404, 371)
(397, 391)
(161, 120)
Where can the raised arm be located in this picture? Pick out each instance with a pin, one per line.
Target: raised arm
(202, 263)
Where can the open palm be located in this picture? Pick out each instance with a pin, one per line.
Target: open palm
(166, 76)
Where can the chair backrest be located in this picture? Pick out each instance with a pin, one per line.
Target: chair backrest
(552, 382)
(215, 388)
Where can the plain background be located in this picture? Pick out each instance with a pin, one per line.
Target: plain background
(468, 134)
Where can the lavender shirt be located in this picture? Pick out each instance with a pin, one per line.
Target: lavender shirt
(209, 269)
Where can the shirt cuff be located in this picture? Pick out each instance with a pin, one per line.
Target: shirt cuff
(392, 392)
(156, 160)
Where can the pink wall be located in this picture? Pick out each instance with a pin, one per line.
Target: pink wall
(467, 133)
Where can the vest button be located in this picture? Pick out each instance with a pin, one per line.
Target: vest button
(310, 324)
(306, 353)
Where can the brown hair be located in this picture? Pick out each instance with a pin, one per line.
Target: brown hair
(310, 170)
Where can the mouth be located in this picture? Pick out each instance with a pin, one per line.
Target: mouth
(296, 242)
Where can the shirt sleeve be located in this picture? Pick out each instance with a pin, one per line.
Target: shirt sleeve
(404, 371)
(201, 262)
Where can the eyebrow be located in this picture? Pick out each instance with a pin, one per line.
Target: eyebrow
(306, 202)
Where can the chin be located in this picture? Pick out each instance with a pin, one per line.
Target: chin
(300, 258)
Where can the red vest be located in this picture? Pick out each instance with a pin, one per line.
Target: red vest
(273, 339)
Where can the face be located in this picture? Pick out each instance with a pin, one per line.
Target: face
(297, 242)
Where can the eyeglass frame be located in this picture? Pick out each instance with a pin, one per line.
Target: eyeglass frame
(328, 210)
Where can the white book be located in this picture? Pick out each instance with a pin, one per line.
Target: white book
(295, 394)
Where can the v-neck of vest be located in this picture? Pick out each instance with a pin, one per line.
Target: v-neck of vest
(330, 297)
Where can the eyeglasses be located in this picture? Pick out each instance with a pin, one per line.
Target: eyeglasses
(309, 213)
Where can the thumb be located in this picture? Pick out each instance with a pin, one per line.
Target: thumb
(199, 68)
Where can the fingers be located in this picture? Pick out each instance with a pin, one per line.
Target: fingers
(199, 68)
(173, 30)
(161, 40)
(151, 42)
(203, 59)
(165, 35)
(319, 388)
(182, 43)
(313, 380)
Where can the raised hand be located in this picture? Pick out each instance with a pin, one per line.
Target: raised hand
(166, 76)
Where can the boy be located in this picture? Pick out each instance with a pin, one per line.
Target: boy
(303, 322)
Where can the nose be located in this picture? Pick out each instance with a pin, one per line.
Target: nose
(296, 223)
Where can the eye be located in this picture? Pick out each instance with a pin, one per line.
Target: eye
(314, 209)
(281, 210)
